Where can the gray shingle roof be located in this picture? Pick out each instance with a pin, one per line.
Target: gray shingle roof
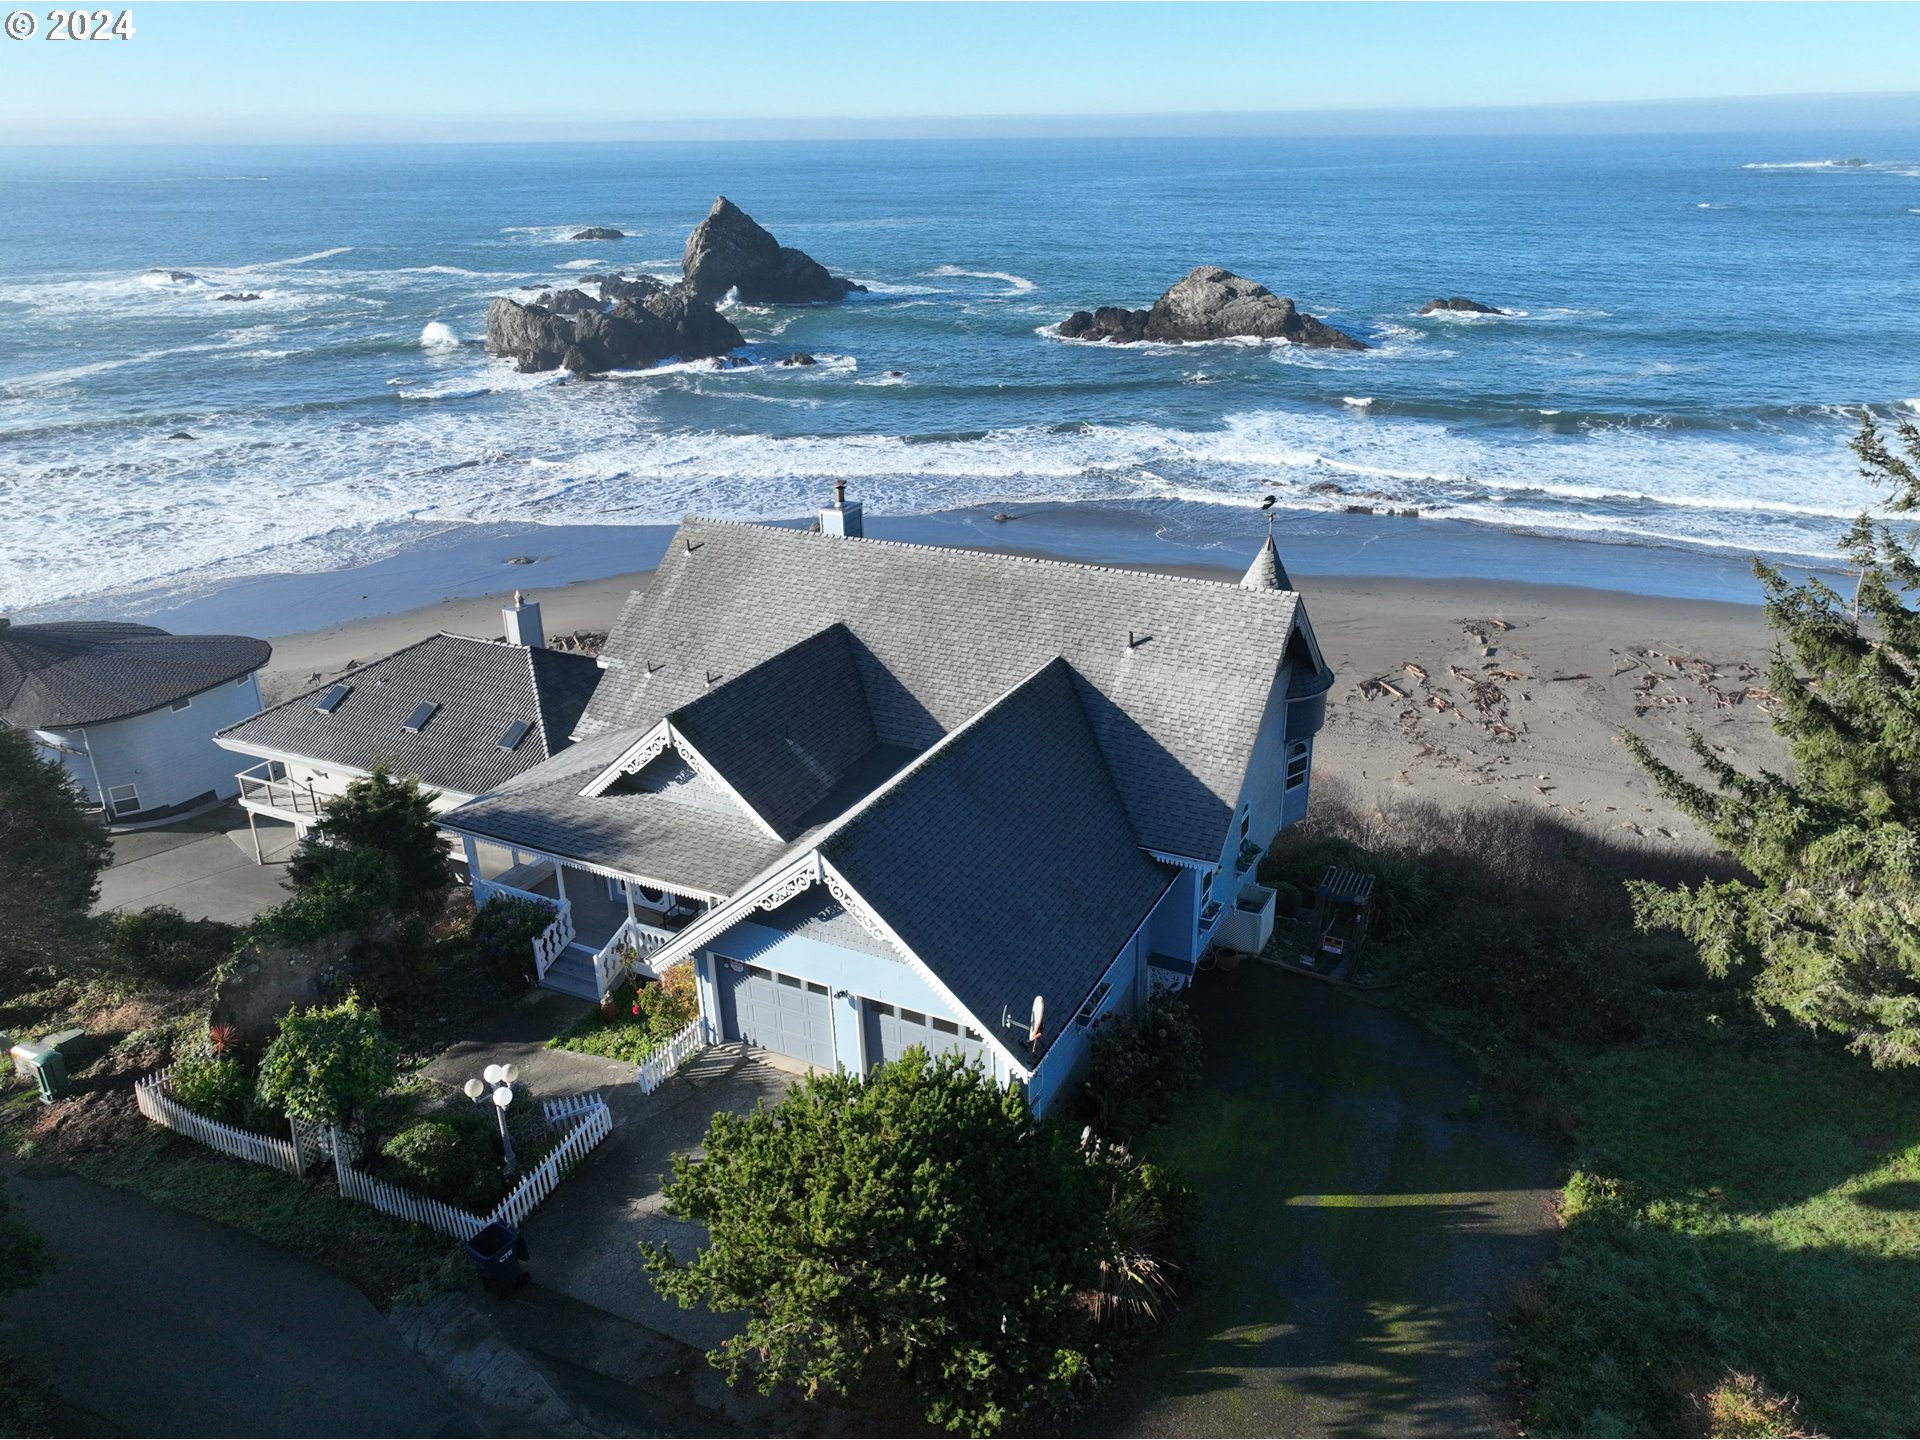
(667, 825)
(786, 731)
(1006, 861)
(1174, 672)
(87, 672)
(481, 687)
(1266, 572)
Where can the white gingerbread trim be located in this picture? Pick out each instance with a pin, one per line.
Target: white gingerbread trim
(633, 760)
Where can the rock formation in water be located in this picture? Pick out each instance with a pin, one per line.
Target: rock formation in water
(600, 232)
(624, 335)
(1461, 305)
(1210, 304)
(728, 251)
(238, 295)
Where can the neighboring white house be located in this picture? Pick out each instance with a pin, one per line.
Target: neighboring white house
(458, 714)
(882, 795)
(130, 710)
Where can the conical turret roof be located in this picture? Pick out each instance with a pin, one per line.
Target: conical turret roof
(1266, 572)
(86, 672)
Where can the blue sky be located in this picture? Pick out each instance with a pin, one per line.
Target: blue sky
(626, 71)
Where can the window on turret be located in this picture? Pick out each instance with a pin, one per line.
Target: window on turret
(1298, 758)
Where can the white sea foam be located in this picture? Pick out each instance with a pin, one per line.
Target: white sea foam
(1804, 165)
(579, 264)
(436, 336)
(1019, 284)
(1359, 402)
(296, 260)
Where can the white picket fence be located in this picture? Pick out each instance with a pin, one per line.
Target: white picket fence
(594, 1124)
(150, 1094)
(591, 1123)
(659, 1066)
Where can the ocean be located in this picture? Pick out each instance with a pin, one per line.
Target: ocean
(1696, 322)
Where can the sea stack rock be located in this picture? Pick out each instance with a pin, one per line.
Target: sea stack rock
(600, 232)
(1210, 304)
(621, 336)
(1459, 304)
(728, 251)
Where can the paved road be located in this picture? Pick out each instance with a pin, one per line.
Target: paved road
(1367, 1220)
(162, 1323)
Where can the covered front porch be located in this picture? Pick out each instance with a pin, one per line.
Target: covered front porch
(605, 926)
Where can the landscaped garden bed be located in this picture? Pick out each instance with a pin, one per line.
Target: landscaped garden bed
(639, 1029)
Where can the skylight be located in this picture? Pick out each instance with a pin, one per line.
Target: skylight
(422, 713)
(516, 732)
(331, 700)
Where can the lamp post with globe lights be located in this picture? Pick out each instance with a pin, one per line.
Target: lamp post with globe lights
(499, 1079)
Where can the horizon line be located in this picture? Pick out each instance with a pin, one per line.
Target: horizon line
(1822, 110)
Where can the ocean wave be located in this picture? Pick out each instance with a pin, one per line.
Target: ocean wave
(1019, 284)
(296, 260)
(1807, 165)
(436, 336)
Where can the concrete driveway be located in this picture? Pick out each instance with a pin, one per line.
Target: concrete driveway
(1369, 1215)
(202, 866)
(585, 1241)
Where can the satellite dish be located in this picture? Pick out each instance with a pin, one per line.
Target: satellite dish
(1039, 1018)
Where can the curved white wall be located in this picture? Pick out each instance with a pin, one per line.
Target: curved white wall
(166, 755)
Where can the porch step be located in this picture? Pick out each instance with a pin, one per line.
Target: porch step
(572, 974)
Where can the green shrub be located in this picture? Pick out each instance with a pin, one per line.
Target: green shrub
(660, 1010)
(454, 1163)
(1141, 1062)
(1287, 898)
(354, 891)
(391, 821)
(162, 946)
(327, 1061)
(918, 1225)
(503, 931)
(217, 1087)
(1146, 1246)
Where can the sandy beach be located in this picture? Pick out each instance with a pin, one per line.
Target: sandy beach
(1453, 690)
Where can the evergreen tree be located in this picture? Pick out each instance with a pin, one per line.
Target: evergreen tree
(388, 817)
(51, 855)
(1830, 920)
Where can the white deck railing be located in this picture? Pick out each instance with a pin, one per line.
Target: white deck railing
(635, 940)
(263, 790)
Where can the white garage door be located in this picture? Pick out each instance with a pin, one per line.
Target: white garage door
(892, 1029)
(781, 1013)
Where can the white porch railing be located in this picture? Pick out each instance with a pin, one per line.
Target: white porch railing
(635, 940)
(551, 943)
(261, 789)
(657, 1067)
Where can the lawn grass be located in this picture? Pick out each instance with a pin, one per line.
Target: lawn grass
(1736, 1209)
(1741, 1216)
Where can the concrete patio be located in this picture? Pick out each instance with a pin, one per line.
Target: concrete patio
(202, 866)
